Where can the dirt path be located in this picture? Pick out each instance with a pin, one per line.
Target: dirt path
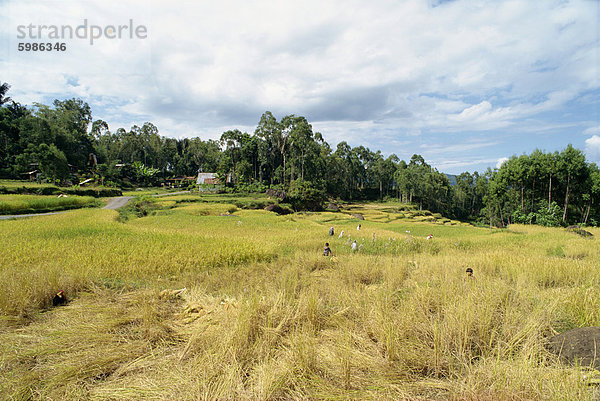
(118, 202)
(172, 193)
(18, 216)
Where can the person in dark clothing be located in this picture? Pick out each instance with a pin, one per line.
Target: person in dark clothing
(331, 231)
(59, 298)
(327, 251)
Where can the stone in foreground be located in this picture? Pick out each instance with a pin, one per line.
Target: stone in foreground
(578, 346)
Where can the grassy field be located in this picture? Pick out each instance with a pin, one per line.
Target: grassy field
(18, 204)
(21, 183)
(264, 316)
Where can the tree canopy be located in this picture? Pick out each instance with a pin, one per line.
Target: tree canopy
(549, 188)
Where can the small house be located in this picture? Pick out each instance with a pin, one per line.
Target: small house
(33, 175)
(210, 179)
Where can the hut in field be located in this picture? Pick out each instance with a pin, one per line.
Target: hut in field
(210, 179)
(34, 172)
(32, 175)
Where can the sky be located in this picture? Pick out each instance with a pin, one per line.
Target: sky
(465, 84)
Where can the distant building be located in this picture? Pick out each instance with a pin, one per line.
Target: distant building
(35, 172)
(33, 175)
(210, 179)
(179, 182)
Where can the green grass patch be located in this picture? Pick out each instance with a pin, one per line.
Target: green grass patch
(23, 204)
(13, 187)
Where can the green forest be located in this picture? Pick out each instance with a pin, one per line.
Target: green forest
(67, 145)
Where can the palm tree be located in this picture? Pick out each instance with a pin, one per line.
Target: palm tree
(3, 90)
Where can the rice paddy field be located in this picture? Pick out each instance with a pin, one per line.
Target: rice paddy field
(202, 300)
(14, 204)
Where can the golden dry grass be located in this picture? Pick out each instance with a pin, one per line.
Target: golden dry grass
(266, 317)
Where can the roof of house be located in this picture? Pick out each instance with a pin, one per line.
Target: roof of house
(210, 178)
(207, 175)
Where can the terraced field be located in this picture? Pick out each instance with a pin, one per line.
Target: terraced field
(202, 299)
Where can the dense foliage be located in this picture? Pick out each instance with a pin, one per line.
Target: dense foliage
(544, 188)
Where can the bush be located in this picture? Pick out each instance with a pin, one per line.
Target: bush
(544, 216)
(304, 195)
(95, 192)
(139, 207)
(549, 217)
(278, 209)
(250, 188)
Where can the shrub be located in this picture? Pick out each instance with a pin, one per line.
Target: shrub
(543, 216)
(250, 188)
(139, 207)
(304, 195)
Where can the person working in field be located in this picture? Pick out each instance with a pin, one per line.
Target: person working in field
(327, 250)
(469, 272)
(59, 298)
(331, 231)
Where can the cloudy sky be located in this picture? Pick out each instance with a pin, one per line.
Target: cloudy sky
(463, 83)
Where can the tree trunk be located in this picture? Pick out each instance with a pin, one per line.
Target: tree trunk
(532, 194)
(255, 167)
(283, 178)
(522, 207)
(567, 198)
(550, 192)
(587, 213)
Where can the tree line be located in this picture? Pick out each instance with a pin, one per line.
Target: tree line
(543, 188)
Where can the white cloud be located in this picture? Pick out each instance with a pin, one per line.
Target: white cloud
(377, 76)
(474, 112)
(592, 148)
(592, 130)
(501, 161)
(459, 165)
(456, 147)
